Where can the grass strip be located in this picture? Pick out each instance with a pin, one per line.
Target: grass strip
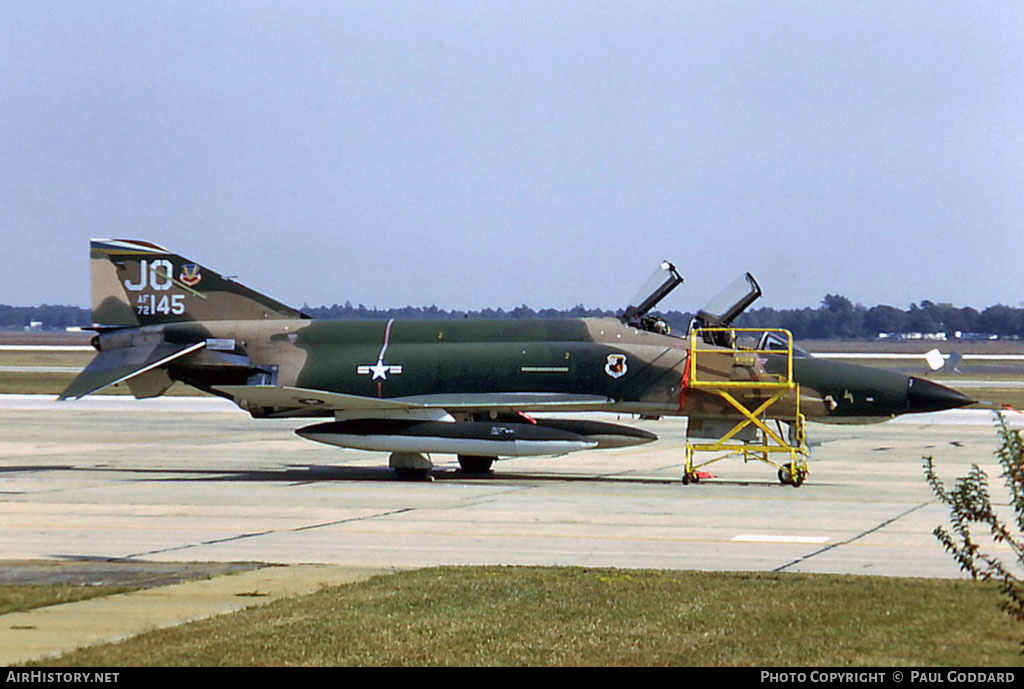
(586, 617)
(21, 597)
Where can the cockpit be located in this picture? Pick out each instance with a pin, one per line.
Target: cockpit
(724, 308)
(665, 279)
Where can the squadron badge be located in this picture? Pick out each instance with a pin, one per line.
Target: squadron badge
(190, 274)
(616, 365)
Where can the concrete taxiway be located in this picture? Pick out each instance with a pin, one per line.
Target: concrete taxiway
(196, 480)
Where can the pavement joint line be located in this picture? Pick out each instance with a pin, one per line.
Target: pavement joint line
(51, 631)
(240, 537)
(492, 498)
(859, 536)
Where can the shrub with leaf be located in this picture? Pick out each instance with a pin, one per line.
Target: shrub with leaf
(970, 505)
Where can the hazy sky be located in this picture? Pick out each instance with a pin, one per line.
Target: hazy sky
(486, 153)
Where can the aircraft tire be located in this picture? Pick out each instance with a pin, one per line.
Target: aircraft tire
(476, 464)
(412, 474)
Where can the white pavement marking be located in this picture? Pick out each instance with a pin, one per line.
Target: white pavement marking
(779, 538)
(40, 369)
(47, 348)
(120, 403)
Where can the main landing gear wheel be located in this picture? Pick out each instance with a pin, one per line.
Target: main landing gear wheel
(475, 464)
(412, 474)
(792, 476)
(410, 466)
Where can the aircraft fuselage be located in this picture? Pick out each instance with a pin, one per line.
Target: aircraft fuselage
(623, 368)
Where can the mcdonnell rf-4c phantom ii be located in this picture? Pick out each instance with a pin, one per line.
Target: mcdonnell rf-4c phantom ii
(478, 388)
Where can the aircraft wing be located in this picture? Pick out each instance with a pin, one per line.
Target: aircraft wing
(510, 401)
(284, 397)
(119, 365)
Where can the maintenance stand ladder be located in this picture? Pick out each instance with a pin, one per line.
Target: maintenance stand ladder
(767, 442)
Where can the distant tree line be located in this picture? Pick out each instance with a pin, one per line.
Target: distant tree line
(838, 318)
(835, 318)
(348, 312)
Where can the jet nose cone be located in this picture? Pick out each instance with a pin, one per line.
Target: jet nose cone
(925, 395)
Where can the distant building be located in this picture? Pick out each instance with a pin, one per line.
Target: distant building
(957, 335)
(974, 336)
(912, 336)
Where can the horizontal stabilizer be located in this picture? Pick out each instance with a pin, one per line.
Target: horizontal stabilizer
(115, 366)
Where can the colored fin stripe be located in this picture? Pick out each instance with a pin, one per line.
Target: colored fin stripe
(127, 246)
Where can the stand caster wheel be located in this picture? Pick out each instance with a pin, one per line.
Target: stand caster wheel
(788, 475)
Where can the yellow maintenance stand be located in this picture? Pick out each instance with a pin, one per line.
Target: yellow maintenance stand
(750, 437)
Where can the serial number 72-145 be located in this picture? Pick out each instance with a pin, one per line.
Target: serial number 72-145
(151, 304)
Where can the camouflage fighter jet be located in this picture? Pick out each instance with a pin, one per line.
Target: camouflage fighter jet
(463, 387)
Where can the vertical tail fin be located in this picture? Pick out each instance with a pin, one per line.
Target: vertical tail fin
(136, 283)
